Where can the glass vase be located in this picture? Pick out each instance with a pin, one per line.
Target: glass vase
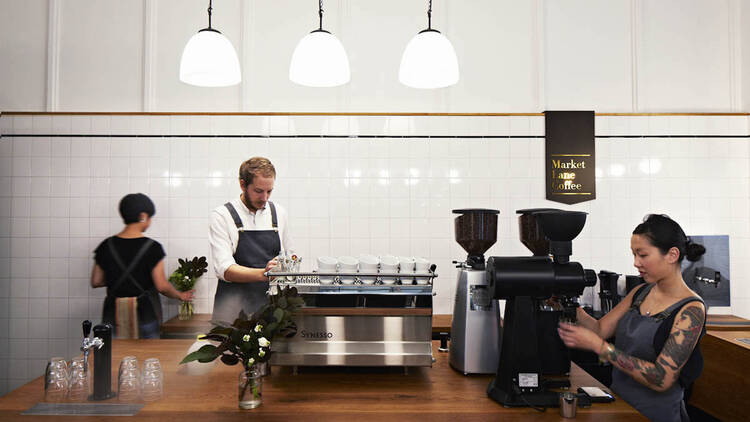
(250, 388)
(186, 310)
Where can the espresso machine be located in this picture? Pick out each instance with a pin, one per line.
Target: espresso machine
(539, 290)
(475, 329)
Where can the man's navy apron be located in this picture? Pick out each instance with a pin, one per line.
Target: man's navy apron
(254, 249)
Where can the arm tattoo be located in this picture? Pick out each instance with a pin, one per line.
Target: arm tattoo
(677, 349)
(681, 341)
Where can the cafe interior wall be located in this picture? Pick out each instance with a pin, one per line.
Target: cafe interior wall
(348, 194)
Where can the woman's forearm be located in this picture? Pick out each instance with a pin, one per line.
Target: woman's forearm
(654, 375)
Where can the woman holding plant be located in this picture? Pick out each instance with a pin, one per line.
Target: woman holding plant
(131, 267)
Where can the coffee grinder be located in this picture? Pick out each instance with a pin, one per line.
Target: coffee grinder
(475, 330)
(529, 285)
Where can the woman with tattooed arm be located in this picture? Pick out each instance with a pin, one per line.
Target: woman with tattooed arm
(657, 325)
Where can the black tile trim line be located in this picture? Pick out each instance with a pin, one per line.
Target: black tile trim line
(43, 135)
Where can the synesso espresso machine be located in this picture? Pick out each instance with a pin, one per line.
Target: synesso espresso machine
(538, 290)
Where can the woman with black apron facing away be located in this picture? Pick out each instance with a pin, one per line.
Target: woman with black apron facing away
(657, 326)
(131, 266)
(246, 235)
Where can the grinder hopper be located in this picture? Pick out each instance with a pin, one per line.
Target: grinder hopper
(476, 231)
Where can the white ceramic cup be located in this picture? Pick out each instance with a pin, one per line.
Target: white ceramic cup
(348, 264)
(406, 266)
(421, 266)
(368, 264)
(389, 265)
(327, 264)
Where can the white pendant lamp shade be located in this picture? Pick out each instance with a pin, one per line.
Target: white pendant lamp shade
(319, 61)
(209, 60)
(429, 61)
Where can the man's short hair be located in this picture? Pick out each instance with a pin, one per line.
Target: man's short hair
(256, 166)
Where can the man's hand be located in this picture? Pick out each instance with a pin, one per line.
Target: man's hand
(271, 265)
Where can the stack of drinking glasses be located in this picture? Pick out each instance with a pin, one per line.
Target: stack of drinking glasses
(78, 387)
(56, 379)
(128, 380)
(133, 385)
(152, 380)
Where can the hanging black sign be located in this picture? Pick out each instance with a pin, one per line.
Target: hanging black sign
(569, 154)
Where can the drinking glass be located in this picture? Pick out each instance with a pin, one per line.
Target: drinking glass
(128, 364)
(128, 387)
(78, 389)
(151, 384)
(55, 385)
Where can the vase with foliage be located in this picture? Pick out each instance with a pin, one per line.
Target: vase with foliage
(184, 279)
(248, 341)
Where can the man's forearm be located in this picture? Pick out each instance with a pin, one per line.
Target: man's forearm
(240, 274)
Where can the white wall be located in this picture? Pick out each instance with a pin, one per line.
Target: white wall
(617, 56)
(59, 195)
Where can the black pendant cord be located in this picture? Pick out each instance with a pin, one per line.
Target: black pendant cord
(320, 14)
(209, 13)
(429, 16)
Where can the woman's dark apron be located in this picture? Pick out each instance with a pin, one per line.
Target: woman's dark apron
(635, 337)
(148, 325)
(254, 249)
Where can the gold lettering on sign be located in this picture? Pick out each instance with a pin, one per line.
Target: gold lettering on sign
(563, 182)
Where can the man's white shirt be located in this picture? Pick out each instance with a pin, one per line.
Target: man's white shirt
(223, 236)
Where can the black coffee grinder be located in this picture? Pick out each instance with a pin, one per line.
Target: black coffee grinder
(528, 284)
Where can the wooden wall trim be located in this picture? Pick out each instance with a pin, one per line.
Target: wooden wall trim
(295, 113)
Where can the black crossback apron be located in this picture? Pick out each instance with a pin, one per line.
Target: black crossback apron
(148, 327)
(635, 336)
(254, 249)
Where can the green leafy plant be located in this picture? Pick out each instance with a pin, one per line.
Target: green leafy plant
(248, 339)
(184, 279)
(185, 276)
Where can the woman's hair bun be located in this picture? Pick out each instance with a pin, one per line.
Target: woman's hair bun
(694, 251)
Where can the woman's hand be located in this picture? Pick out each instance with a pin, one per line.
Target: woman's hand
(186, 296)
(579, 337)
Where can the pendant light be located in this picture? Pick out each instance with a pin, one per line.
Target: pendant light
(429, 60)
(319, 59)
(209, 59)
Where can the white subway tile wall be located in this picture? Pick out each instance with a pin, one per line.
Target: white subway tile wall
(345, 195)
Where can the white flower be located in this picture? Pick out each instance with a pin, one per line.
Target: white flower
(263, 342)
(250, 361)
(258, 328)
(187, 278)
(261, 352)
(246, 337)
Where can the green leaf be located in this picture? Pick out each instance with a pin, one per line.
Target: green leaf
(206, 353)
(278, 314)
(230, 359)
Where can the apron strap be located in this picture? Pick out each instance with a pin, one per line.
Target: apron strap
(233, 213)
(274, 220)
(640, 296)
(127, 273)
(238, 221)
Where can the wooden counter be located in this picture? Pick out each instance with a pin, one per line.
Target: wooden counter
(330, 394)
(722, 388)
(720, 322)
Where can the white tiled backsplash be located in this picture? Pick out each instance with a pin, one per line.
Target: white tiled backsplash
(345, 195)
